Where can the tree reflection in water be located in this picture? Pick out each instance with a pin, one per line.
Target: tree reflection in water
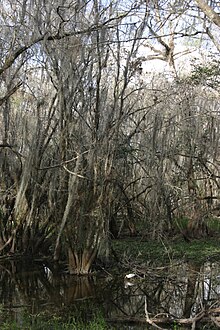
(179, 291)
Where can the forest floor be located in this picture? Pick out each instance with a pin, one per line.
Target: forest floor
(137, 251)
(165, 250)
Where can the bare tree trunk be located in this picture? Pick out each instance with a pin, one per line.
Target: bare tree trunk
(72, 190)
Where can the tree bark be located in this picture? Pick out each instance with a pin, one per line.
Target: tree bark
(209, 12)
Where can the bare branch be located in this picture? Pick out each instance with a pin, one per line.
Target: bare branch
(9, 93)
(209, 12)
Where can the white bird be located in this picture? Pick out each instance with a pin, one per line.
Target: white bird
(128, 276)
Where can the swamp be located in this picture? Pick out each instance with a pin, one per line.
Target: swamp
(177, 291)
(109, 164)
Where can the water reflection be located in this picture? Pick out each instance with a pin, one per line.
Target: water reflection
(178, 291)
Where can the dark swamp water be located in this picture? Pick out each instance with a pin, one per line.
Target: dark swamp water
(180, 291)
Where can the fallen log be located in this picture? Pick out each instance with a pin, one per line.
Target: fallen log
(163, 321)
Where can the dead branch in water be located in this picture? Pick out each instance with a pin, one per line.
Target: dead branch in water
(203, 317)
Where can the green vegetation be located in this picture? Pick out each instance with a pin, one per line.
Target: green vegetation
(213, 225)
(206, 74)
(165, 251)
(43, 321)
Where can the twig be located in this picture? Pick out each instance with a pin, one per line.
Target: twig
(148, 320)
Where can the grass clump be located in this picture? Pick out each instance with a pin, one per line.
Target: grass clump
(41, 321)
